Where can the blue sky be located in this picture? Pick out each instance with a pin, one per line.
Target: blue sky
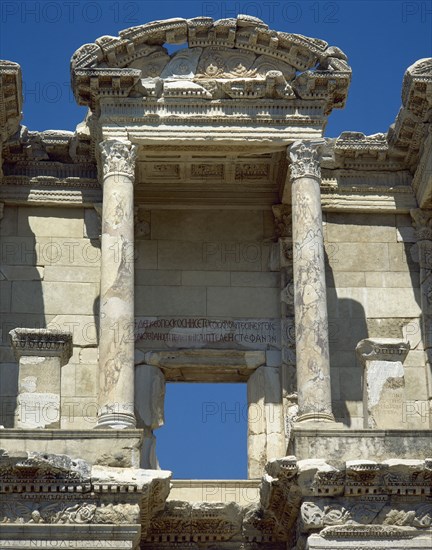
(381, 39)
(205, 435)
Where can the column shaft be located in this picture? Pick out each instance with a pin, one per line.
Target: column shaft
(310, 303)
(116, 341)
(422, 221)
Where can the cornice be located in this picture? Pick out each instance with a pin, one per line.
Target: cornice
(10, 98)
(41, 343)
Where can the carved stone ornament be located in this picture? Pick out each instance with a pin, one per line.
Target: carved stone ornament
(422, 221)
(42, 343)
(227, 59)
(283, 220)
(305, 159)
(118, 157)
(57, 489)
(382, 349)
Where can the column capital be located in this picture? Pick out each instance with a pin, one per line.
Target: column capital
(305, 157)
(382, 349)
(118, 157)
(422, 222)
(42, 343)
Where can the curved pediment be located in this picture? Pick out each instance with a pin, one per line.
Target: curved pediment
(226, 59)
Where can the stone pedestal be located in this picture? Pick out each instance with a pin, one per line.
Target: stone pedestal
(116, 336)
(310, 303)
(41, 354)
(383, 382)
(266, 434)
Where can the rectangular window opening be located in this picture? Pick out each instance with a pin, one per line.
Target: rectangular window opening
(205, 431)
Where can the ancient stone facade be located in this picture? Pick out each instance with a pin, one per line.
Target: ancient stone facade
(198, 227)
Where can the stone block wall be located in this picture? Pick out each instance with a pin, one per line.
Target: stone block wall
(213, 265)
(203, 279)
(49, 271)
(372, 291)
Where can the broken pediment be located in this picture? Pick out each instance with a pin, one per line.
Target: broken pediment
(226, 59)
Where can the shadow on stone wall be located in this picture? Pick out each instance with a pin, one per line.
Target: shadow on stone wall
(347, 326)
(22, 301)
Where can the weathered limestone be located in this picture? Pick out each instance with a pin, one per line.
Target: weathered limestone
(312, 349)
(384, 395)
(337, 446)
(215, 295)
(116, 342)
(118, 449)
(206, 365)
(284, 262)
(241, 491)
(422, 221)
(41, 354)
(74, 503)
(149, 407)
(266, 431)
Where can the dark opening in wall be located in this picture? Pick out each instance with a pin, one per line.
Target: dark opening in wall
(205, 431)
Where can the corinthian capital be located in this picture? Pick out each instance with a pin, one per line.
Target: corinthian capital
(118, 157)
(305, 157)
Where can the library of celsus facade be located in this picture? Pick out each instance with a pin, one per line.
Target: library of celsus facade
(198, 227)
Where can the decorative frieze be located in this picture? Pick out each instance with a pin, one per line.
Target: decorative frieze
(283, 220)
(422, 222)
(48, 489)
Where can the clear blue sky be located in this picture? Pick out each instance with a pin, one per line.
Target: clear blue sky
(205, 436)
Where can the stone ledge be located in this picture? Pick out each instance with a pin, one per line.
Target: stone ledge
(241, 491)
(117, 448)
(338, 446)
(89, 537)
(363, 540)
(42, 343)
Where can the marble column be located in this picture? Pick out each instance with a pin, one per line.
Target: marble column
(422, 221)
(116, 334)
(283, 229)
(310, 303)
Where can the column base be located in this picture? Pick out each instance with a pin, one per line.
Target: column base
(116, 421)
(315, 417)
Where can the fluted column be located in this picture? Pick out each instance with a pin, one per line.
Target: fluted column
(116, 342)
(310, 304)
